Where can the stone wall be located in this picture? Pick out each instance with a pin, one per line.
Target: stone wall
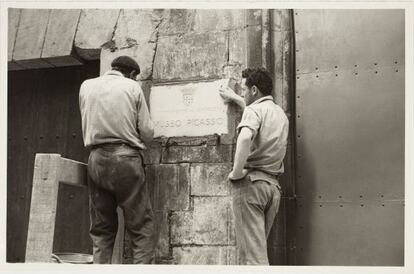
(190, 195)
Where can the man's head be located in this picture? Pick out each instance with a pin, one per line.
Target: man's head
(127, 66)
(256, 83)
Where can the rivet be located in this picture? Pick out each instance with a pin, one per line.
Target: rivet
(298, 97)
(320, 197)
(298, 116)
(356, 73)
(317, 76)
(396, 70)
(360, 196)
(296, 13)
(362, 205)
(336, 75)
(341, 206)
(297, 77)
(336, 66)
(298, 136)
(25, 138)
(320, 205)
(316, 68)
(376, 72)
(340, 197)
(297, 50)
(57, 136)
(395, 62)
(375, 64)
(356, 66)
(41, 137)
(383, 205)
(297, 70)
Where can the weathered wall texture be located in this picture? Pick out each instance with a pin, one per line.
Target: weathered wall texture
(191, 197)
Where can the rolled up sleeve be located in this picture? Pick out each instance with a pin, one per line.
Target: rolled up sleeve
(251, 120)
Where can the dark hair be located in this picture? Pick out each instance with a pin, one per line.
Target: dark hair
(260, 78)
(125, 64)
(123, 70)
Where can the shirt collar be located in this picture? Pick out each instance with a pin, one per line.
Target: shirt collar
(114, 72)
(264, 98)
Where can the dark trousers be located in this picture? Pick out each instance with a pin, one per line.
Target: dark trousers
(117, 178)
(255, 205)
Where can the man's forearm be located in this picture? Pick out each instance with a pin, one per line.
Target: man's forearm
(241, 154)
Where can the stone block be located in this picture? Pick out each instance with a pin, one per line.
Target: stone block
(182, 228)
(197, 154)
(170, 186)
(13, 23)
(219, 19)
(136, 27)
(146, 88)
(254, 17)
(152, 155)
(59, 38)
(210, 179)
(213, 221)
(190, 56)
(254, 46)
(30, 37)
(143, 54)
(209, 140)
(238, 47)
(177, 21)
(162, 248)
(205, 255)
(95, 28)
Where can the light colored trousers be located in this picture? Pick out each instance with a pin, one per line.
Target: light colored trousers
(255, 205)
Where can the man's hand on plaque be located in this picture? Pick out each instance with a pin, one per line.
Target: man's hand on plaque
(228, 94)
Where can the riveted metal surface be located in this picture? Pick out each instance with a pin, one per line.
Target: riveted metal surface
(338, 233)
(350, 137)
(350, 134)
(345, 38)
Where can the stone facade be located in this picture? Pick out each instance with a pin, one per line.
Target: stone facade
(187, 177)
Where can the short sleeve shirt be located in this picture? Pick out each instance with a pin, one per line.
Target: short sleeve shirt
(270, 127)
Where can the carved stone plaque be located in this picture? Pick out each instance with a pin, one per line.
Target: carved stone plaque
(193, 109)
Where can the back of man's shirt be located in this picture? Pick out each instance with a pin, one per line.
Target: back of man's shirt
(270, 128)
(114, 110)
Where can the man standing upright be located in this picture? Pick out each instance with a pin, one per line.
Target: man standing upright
(115, 125)
(258, 162)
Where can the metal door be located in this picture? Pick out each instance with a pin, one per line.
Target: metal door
(350, 137)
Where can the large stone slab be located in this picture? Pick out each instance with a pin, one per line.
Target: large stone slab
(210, 179)
(190, 56)
(205, 255)
(136, 27)
(143, 54)
(193, 109)
(211, 223)
(30, 37)
(59, 38)
(13, 23)
(182, 232)
(95, 28)
(170, 186)
(197, 154)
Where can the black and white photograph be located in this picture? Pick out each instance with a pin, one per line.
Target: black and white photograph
(207, 135)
